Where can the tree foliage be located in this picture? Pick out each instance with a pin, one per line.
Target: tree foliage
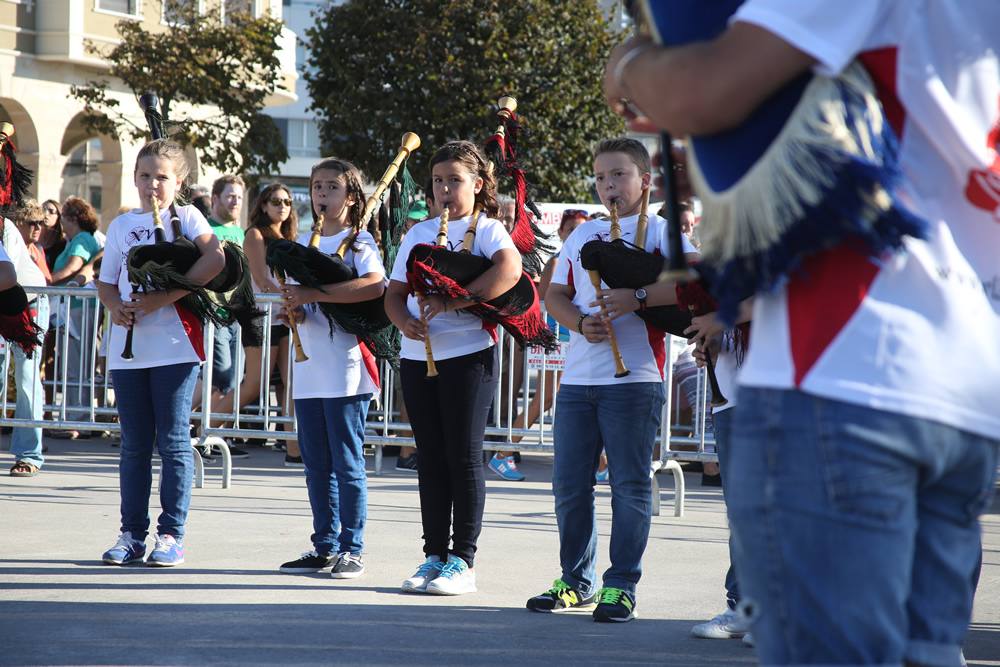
(379, 68)
(226, 70)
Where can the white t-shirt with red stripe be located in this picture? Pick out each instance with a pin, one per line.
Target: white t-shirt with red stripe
(456, 333)
(641, 346)
(338, 365)
(918, 332)
(168, 335)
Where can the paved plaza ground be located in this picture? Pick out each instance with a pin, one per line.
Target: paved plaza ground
(229, 605)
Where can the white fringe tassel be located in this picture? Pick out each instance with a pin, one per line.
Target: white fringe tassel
(792, 173)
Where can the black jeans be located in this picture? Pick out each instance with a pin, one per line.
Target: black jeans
(448, 415)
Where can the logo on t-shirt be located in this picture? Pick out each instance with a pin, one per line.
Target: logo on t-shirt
(138, 235)
(983, 187)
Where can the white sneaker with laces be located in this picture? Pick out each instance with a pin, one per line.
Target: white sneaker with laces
(730, 624)
(456, 578)
(428, 570)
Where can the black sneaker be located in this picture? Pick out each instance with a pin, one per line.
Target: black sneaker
(407, 463)
(561, 597)
(293, 462)
(614, 606)
(308, 563)
(348, 566)
(204, 450)
(234, 452)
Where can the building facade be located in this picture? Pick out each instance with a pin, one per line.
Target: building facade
(43, 52)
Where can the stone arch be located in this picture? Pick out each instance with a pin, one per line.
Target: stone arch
(108, 166)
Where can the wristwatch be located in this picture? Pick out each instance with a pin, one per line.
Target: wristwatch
(640, 296)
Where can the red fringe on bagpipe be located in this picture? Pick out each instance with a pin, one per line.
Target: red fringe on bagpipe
(22, 331)
(528, 328)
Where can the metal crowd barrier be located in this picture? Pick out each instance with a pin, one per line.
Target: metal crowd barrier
(83, 399)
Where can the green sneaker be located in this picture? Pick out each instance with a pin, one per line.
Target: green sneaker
(561, 597)
(614, 606)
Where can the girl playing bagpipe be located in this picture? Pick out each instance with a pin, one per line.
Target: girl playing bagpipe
(154, 387)
(334, 385)
(448, 412)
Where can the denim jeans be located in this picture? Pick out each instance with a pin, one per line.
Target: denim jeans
(26, 443)
(624, 419)
(856, 531)
(225, 347)
(79, 365)
(332, 438)
(722, 423)
(154, 406)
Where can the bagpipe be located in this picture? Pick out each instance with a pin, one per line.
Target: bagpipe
(311, 267)
(812, 167)
(16, 322)
(436, 270)
(226, 299)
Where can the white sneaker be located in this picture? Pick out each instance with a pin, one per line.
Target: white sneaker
(456, 578)
(748, 640)
(426, 573)
(730, 624)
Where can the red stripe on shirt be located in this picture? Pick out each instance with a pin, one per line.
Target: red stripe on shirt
(371, 365)
(881, 65)
(194, 329)
(824, 294)
(656, 339)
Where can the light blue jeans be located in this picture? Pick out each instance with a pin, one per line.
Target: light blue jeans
(624, 419)
(225, 347)
(26, 443)
(855, 531)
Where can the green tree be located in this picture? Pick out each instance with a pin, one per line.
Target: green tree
(379, 68)
(226, 70)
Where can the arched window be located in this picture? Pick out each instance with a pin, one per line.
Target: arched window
(81, 175)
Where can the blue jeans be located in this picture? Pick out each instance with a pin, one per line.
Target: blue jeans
(225, 347)
(26, 443)
(856, 531)
(624, 419)
(722, 423)
(154, 406)
(332, 438)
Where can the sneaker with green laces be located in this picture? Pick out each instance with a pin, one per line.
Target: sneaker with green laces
(561, 597)
(614, 606)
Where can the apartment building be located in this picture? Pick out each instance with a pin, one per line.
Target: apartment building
(43, 53)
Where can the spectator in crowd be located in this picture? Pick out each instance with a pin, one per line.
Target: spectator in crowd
(53, 239)
(272, 217)
(79, 222)
(227, 203)
(26, 442)
(30, 220)
(201, 199)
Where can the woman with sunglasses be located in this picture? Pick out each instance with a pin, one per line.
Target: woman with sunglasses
(272, 217)
(30, 221)
(53, 238)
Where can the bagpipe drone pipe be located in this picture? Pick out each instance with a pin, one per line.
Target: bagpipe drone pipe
(311, 267)
(16, 322)
(812, 167)
(226, 299)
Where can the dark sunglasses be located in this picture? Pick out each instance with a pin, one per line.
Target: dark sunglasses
(275, 201)
(34, 223)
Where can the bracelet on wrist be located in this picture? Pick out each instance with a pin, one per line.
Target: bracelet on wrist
(579, 323)
(618, 73)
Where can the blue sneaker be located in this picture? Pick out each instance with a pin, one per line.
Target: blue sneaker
(506, 468)
(455, 578)
(167, 552)
(602, 476)
(127, 550)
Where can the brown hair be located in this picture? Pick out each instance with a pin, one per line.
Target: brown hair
(82, 212)
(259, 218)
(469, 156)
(167, 150)
(222, 181)
(56, 228)
(632, 148)
(352, 179)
